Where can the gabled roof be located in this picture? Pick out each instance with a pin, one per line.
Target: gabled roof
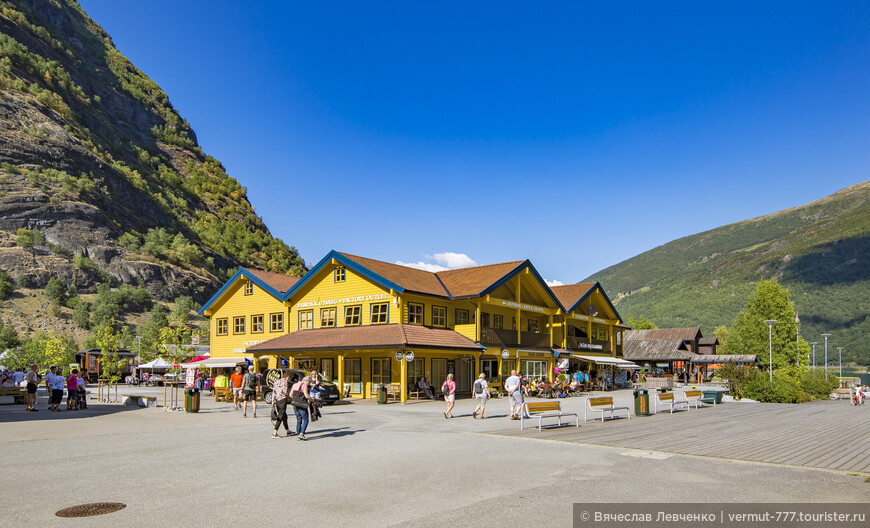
(471, 282)
(275, 284)
(571, 294)
(367, 337)
(685, 334)
(708, 341)
(410, 279)
(655, 350)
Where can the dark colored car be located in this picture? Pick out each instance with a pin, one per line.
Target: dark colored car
(329, 392)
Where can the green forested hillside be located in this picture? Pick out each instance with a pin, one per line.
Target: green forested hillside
(819, 251)
(97, 163)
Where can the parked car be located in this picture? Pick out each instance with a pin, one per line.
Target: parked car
(330, 396)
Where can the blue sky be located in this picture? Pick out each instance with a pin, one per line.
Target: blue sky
(573, 134)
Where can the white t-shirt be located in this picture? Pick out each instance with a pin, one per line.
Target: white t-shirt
(80, 382)
(482, 384)
(18, 376)
(58, 382)
(49, 378)
(512, 383)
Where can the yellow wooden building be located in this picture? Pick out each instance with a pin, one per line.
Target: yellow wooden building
(366, 323)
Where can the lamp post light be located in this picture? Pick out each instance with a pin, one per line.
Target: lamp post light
(814, 343)
(139, 355)
(770, 342)
(826, 336)
(841, 364)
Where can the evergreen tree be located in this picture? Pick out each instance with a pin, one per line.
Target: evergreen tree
(82, 315)
(6, 286)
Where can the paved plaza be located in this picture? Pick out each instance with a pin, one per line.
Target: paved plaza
(405, 465)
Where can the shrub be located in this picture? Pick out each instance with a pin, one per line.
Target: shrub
(6, 286)
(23, 281)
(82, 315)
(814, 382)
(785, 389)
(55, 290)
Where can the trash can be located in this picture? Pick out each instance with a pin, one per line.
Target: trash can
(711, 396)
(382, 394)
(641, 402)
(191, 400)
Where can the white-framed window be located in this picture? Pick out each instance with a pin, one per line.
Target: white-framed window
(536, 368)
(306, 319)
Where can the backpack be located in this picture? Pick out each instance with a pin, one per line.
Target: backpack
(478, 387)
(252, 381)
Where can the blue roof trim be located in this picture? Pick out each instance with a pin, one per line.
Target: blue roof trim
(603, 293)
(241, 273)
(362, 270)
(527, 263)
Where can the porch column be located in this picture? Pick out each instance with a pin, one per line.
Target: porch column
(341, 375)
(550, 325)
(403, 376)
(519, 312)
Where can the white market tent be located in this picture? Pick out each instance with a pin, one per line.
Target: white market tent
(225, 362)
(158, 363)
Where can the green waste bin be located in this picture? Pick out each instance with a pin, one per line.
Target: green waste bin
(641, 402)
(191, 400)
(382, 394)
(711, 396)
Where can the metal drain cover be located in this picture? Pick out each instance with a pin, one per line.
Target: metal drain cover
(89, 510)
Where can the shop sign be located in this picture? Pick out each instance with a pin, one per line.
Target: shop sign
(597, 320)
(345, 300)
(409, 356)
(398, 355)
(505, 353)
(528, 307)
(591, 346)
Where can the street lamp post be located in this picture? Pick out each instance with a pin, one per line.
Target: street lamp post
(841, 364)
(826, 336)
(770, 342)
(814, 343)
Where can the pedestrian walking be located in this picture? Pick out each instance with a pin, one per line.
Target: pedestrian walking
(299, 397)
(515, 394)
(280, 390)
(448, 388)
(236, 384)
(481, 394)
(32, 381)
(249, 391)
(58, 383)
(72, 390)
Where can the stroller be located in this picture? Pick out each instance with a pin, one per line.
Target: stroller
(82, 398)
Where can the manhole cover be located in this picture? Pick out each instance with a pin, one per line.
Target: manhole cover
(89, 510)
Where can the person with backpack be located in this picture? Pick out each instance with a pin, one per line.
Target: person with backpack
(448, 388)
(249, 391)
(280, 390)
(299, 399)
(481, 394)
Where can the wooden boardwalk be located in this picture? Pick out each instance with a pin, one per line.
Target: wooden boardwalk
(822, 434)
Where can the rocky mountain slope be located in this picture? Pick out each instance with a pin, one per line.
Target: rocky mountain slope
(819, 251)
(104, 175)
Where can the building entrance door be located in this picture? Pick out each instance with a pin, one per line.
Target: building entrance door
(380, 373)
(353, 375)
(439, 373)
(326, 368)
(462, 376)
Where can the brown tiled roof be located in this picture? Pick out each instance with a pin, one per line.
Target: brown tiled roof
(279, 281)
(364, 337)
(569, 294)
(685, 334)
(707, 341)
(411, 279)
(468, 282)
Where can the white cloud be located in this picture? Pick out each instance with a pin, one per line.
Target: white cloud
(453, 260)
(554, 282)
(445, 261)
(422, 265)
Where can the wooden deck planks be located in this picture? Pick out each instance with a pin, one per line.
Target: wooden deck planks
(820, 434)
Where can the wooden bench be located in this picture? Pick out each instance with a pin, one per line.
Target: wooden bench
(17, 394)
(694, 396)
(667, 398)
(129, 399)
(541, 410)
(603, 405)
(224, 394)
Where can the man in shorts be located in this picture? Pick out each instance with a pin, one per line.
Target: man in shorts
(236, 384)
(481, 394)
(515, 394)
(249, 390)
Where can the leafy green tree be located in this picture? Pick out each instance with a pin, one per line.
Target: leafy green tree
(24, 239)
(721, 333)
(8, 338)
(749, 333)
(82, 315)
(6, 286)
(55, 290)
(641, 324)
